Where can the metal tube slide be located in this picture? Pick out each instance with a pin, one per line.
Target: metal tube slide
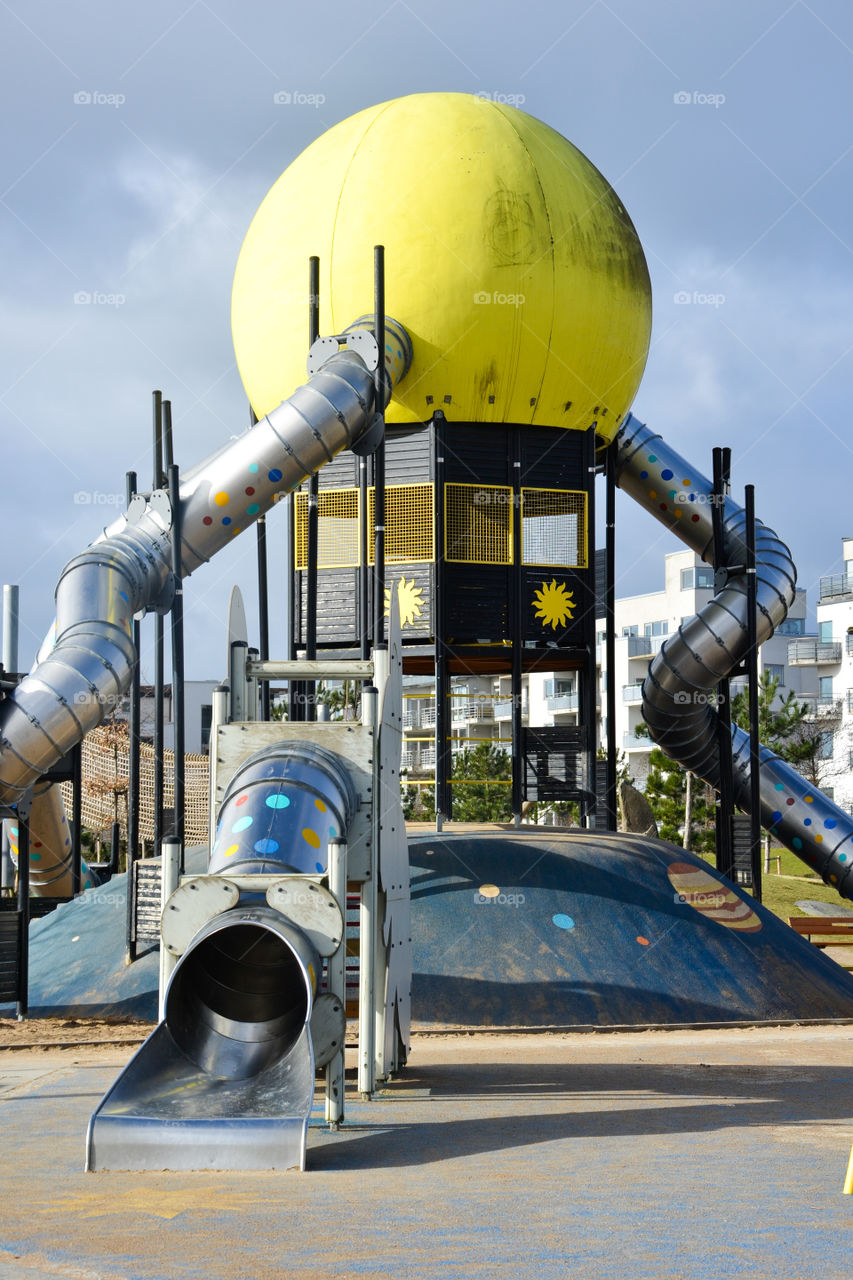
(227, 1078)
(678, 692)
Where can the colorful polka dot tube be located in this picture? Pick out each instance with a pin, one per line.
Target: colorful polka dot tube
(281, 809)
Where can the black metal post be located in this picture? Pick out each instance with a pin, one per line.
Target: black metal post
(752, 685)
(379, 455)
(133, 799)
(517, 614)
(158, 440)
(610, 634)
(22, 1003)
(178, 717)
(589, 683)
(76, 818)
(290, 603)
(159, 639)
(725, 808)
(363, 566)
(443, 755)
(313, 507)
(115, 847)
(168, 454)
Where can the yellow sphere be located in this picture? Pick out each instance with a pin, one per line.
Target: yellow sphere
(509, 259)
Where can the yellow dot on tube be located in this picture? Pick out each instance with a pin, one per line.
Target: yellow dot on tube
(319, 805)
(232, 849)
(311, 837)
(221, 499)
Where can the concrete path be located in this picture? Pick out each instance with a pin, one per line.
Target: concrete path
(679, 1154)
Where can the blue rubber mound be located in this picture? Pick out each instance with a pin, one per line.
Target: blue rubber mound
(77, 953)
(584, 929)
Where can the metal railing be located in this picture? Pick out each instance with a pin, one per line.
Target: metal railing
(632, 693)
(836, 584)
(562, 702)
(813, 652)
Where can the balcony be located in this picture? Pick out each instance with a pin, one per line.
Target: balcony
(825, 708)
(811, 653)
(463, 712)
(632, 693)
(419, 717)
(836, 586)
(562, 702)
(643, 646)
(632, 743)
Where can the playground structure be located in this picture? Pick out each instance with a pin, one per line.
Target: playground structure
(523, 368)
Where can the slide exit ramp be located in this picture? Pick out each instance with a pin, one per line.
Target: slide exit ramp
(677, 692)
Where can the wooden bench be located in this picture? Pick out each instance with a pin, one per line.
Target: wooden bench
(824, 931)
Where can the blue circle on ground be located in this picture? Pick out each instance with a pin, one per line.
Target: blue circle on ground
(277, 802)
(266, 846)
(563, 921)
(241, 824)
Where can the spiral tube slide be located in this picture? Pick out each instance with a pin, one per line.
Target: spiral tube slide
(678, 690)
(77, 682)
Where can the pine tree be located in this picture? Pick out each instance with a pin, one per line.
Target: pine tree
(665, 791)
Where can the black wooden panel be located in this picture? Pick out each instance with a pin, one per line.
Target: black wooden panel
(477, 602)
(408, 460)
(9, 932)
(559, 606)
(552, 458)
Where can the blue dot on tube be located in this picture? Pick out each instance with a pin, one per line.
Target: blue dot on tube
(644, 475)
(226, 519)
(776, 817)
(266, 846)
(830, 823)
(333, 832)
(653, 457)
(563, 921)
(319, 866)
(692, 497)
(125, 596)
(253, 466)
(241, 824)
(666, 474)
(780, 786)
(275, 475)
(796, 843)
(842, 857)
(277, 802)
(807, 822)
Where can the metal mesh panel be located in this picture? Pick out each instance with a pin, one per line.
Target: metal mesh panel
(409, 523)
(553, 528)
(478, 523)
(337, 529)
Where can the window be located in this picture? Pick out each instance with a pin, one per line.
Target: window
(824, 750)
(775, 671)
(553, 528)
(631, 631)
(825, 687)
(792, 627)
(600, 637)
(206, 719)
(700, 578)
(824, 632)
(656, 629)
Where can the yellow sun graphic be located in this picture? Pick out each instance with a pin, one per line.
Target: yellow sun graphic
(554, 604)
(410, 599)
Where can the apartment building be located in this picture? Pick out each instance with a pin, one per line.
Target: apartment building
(829, 655)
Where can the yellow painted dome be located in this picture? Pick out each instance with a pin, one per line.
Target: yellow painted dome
(509, 259)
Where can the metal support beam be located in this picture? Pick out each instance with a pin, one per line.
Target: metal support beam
(752, 686)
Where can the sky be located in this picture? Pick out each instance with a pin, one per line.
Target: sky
(139, 140)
